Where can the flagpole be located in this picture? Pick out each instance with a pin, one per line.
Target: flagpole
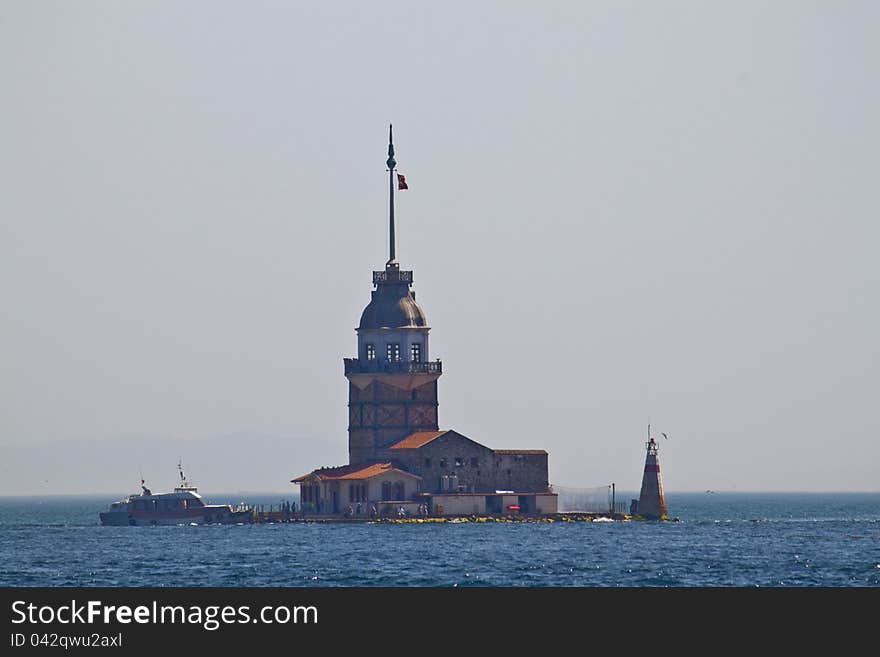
(391, 164)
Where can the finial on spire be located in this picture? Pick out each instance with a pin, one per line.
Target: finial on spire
(390, 161)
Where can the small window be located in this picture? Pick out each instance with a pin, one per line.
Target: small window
(474, 462)
(427, 463)
(392, 352)
(458, 461)
(415, 352)
(371, 352)
(442, 463)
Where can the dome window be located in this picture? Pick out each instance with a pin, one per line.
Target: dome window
(392, 352)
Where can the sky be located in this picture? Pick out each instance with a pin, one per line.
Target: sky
(619, 213)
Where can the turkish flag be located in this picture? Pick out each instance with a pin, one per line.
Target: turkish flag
(401, 182)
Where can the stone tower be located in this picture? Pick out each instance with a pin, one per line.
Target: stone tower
(392, 389)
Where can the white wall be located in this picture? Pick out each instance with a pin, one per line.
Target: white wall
(546, 503)
(374, 486)
(458, 504)
(404, 337)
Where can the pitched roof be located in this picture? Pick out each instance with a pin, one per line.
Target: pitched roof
(520, 451)
(417, 439)
(356, 471)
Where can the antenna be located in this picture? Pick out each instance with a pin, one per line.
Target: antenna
(391, 163)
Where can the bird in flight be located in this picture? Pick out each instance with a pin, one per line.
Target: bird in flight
(664, 435)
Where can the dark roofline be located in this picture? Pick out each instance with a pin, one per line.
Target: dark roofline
(520, 451)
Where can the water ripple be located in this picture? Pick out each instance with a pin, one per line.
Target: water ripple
(737, 540)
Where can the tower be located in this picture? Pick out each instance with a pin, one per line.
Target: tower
(392, 389)
(652, 504)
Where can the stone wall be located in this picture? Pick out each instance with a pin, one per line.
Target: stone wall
(522, 471)
(455, 463)
(381, 414)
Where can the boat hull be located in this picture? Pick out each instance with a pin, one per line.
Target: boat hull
(193, 517)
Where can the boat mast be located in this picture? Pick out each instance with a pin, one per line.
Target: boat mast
(184, 484)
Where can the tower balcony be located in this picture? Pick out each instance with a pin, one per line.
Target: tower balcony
(392, 275)
(358, 366)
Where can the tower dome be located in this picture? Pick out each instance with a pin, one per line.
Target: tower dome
(392, 306)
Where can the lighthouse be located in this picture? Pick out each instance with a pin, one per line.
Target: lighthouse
(652, 505)
(392, 382)
(399, 460)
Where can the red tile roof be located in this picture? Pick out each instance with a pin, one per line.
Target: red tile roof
(417, 439)
(519, 451)
(357, 471)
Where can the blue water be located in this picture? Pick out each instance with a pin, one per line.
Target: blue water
(722, 539)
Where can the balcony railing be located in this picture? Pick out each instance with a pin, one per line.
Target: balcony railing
(357, 366)
(392, 276)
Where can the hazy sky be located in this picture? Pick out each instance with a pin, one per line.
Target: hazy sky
(618, 213)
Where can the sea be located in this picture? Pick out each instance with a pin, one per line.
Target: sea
(720, 540)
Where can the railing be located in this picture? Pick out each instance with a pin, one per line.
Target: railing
(357, 366)
(392, 276)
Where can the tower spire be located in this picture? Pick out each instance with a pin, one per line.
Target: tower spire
(391, 162)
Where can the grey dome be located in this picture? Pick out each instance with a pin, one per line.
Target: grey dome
(392, 306)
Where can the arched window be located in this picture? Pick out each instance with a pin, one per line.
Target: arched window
(386, 490)
(398, 490)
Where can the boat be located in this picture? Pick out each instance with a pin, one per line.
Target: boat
(184, 506)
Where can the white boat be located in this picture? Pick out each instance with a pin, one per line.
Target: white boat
(184, 506)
